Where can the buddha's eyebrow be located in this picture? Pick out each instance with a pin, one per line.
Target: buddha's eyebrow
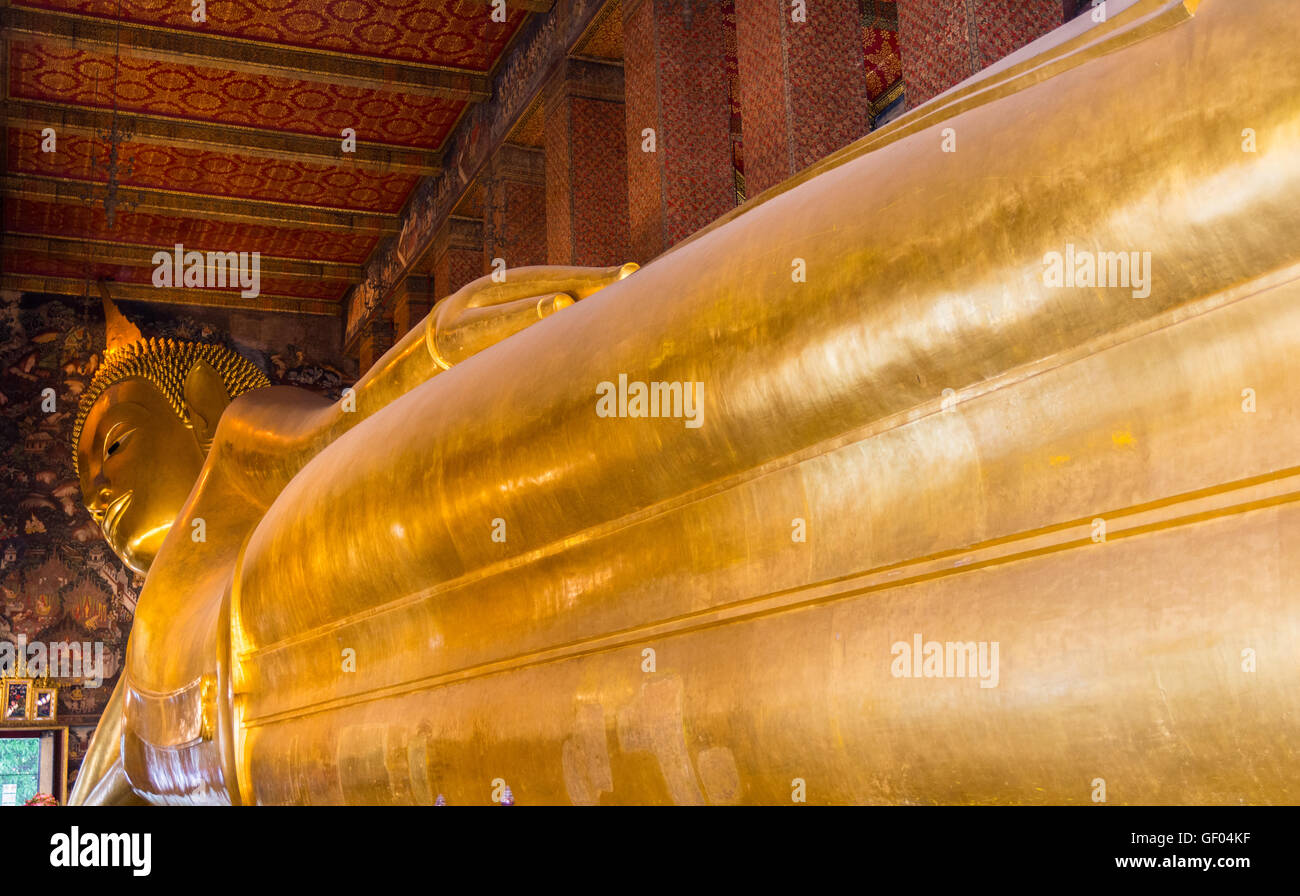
(116, 424)
(114, 429)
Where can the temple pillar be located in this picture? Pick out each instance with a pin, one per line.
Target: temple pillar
(680, 176)
(457, 255)
(803, 90)
(586, 165)
(514, 213)
(944, 42)
(411, 303)
(376, 338)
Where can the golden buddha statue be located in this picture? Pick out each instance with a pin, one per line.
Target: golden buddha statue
(147, 424)
(951, 529)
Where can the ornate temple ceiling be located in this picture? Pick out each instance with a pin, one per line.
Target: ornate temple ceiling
(235, 135)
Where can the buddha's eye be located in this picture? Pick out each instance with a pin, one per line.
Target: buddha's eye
(116, 440)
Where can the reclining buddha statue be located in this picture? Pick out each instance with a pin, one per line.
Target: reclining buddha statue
(961, 468)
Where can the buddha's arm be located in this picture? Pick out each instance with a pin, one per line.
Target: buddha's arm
(270, 433)
(477, 316)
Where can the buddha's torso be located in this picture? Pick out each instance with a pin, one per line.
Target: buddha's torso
(179, 642)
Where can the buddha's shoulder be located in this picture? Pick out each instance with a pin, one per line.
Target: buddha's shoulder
(257, 404)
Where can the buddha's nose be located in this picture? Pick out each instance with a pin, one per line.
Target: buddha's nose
(102, 497)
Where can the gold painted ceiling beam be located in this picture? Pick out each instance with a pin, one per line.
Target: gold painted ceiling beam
(205, 298)
(249, 57)
(223, 138)
(75, 249)
(191, 205)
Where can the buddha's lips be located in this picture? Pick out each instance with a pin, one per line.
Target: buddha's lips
(113, 513)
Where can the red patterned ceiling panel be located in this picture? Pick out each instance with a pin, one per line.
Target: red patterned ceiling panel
(451, 33)
(213, 173)
(163, 231)
(84, 78)
(36, 264)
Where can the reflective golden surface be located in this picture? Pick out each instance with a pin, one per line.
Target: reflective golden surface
(474, 579)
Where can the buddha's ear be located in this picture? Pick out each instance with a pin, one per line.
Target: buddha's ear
(205, 399)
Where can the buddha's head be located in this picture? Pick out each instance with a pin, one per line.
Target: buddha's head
(143, 432)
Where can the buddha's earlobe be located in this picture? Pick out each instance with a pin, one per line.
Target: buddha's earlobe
(205, 400)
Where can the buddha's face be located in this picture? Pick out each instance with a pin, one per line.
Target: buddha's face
(138, 462)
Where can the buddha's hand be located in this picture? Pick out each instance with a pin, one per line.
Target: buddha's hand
(484, 312)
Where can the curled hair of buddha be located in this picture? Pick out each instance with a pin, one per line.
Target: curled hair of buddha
(166, 363)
